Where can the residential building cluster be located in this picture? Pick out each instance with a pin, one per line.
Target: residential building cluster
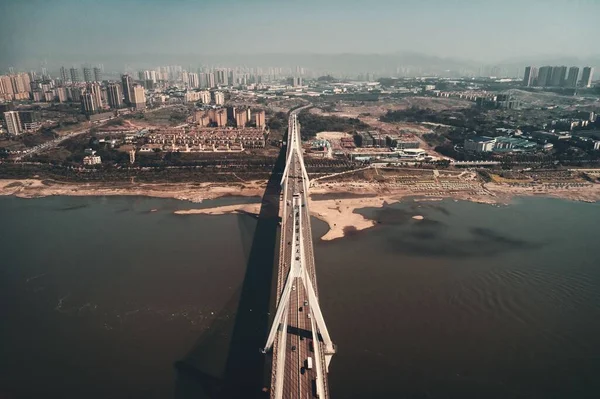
(558, 76)
(15, 87)
(503, 144)
(92, 93)
(234, 116)
(18, 122)
(204, 96)
(207, 78)
(205, 139)
(374, 139)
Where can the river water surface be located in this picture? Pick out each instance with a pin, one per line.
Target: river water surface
(108, 297)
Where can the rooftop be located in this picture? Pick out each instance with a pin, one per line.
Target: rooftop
(481, 139)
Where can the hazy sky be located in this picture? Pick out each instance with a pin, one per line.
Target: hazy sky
(481, 30)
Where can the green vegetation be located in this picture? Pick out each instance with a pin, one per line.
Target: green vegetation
(434, 139)
(469, 118)
(313, 124)
(114, 122)
(167, 116)
(361, 97)
(277, 122)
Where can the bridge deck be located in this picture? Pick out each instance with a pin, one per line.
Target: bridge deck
(290, 376)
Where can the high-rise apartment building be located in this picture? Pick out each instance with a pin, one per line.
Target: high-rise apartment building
(15, 84)
(31, 121)
(97, 74)
(203, 80)
(193, 80)
(63, 75)
(26, 82)
(226, 81)
(241, 117)
(138, 98)
(18, 83)
(6, 85)
(259, 119)
(38, 96)
(75, 75)
(586, 77)
(13, 122)
(74, 93)
(572, 77)
(127, 86)
(114, 95)
(205, 97)
(147, 76)
(87, 74)
(88, 103)
(61, 94)
(221, 117)
(96, 91)
(544, 75)
(530, 76)
(559, 74)
(222, 77)
(219, 98)
(211, 80)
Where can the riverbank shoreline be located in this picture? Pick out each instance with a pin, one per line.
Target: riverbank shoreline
(336, 203)
(192, 192)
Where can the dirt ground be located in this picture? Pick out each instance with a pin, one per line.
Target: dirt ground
(377, 109)
(370, 113)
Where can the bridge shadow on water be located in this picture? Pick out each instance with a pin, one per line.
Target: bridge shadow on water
(206, 372)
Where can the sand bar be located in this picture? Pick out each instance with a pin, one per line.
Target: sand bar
(222, 210)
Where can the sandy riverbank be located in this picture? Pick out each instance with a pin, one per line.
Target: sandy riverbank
(339, 214)
(194, 192)
(335, 204)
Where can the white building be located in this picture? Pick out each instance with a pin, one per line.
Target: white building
(138, 100)
(597, 145)
(92, 160)
(412, 153)
(480, 144)
(13, 122)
